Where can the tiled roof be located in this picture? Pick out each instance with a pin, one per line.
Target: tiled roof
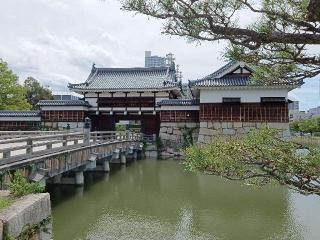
(222, 82)
(128, 78)
(238, 81)
(63, 103)
(222, 69)
(5, 113)
(221, 78)
(179, 102)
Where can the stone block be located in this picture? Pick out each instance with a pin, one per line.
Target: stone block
(192, 124)
(203, 124)
(237, 124)
(210, 124)
(169, 130)
(216, 125)
(28, 210)
(228, 131)
(261, 125)
(226, 125)
(201, 139)
(163, 136)
(177, 132)
(278, 125)
(207, 131)
(249, 124)
(286, 134)
(163, 130)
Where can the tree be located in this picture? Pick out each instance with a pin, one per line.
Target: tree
(294, 126)
(306, 126)
(259, 157)
(12, 94)
(276, 43)
(36, 92)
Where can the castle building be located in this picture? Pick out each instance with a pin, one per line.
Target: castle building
(225, 102)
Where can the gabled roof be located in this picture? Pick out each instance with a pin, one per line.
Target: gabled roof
(179, 102)
(114, 79)
(227, 76)
(9, 113)
(63, 103)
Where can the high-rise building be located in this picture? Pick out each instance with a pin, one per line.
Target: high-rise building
(156, 61)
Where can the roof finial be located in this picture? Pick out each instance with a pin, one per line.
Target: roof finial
(93, 66)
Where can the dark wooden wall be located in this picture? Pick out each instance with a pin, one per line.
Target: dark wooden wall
(179, 116)
(19, 125)
(244, 112)
(63, 116)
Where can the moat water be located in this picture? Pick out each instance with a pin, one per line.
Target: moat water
(158, 199)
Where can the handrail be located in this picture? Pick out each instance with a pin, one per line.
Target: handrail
(36, 144)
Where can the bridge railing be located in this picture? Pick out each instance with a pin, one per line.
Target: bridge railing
(17, 134)
(37, 145)
(33, 144)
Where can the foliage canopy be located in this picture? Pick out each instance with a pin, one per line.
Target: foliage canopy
(35, 92)
(311, 125)
(258, 157)
(276, 41)
(12, 94)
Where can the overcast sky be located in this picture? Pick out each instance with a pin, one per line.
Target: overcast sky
(56, 41)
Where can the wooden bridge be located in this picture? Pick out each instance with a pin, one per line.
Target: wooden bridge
(62, 157)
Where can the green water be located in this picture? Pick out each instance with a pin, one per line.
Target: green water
(157, 199)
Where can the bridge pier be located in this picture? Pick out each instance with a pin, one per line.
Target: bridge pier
(123, 158)
(79, 178)
(135, 155)
(92, 162)
(106, 165)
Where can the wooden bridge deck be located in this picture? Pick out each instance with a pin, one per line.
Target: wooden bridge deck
(57, 153)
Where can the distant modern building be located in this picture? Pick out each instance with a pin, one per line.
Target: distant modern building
(314, 112)
(156, 61)
(295, 115)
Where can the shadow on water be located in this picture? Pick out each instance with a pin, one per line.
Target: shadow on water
(152, 199)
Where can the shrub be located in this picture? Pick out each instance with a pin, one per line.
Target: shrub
(20, 186)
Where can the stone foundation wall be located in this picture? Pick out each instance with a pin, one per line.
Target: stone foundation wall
(171, 133)
(209, 130)
(28, 214)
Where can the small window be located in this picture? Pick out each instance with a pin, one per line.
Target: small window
(231, 100)
(273, 99)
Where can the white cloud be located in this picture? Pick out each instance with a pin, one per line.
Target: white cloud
(56, 41)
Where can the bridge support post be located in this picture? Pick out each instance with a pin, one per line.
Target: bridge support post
(79, 178)
(106, 166)
(123, 158)
(135, 155)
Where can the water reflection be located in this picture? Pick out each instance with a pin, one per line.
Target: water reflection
(152, 199)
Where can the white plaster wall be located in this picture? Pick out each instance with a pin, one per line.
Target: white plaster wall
(246, 95)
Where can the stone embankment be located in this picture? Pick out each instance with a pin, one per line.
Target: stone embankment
(173, 135)
(209, 130)
(29, 217)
